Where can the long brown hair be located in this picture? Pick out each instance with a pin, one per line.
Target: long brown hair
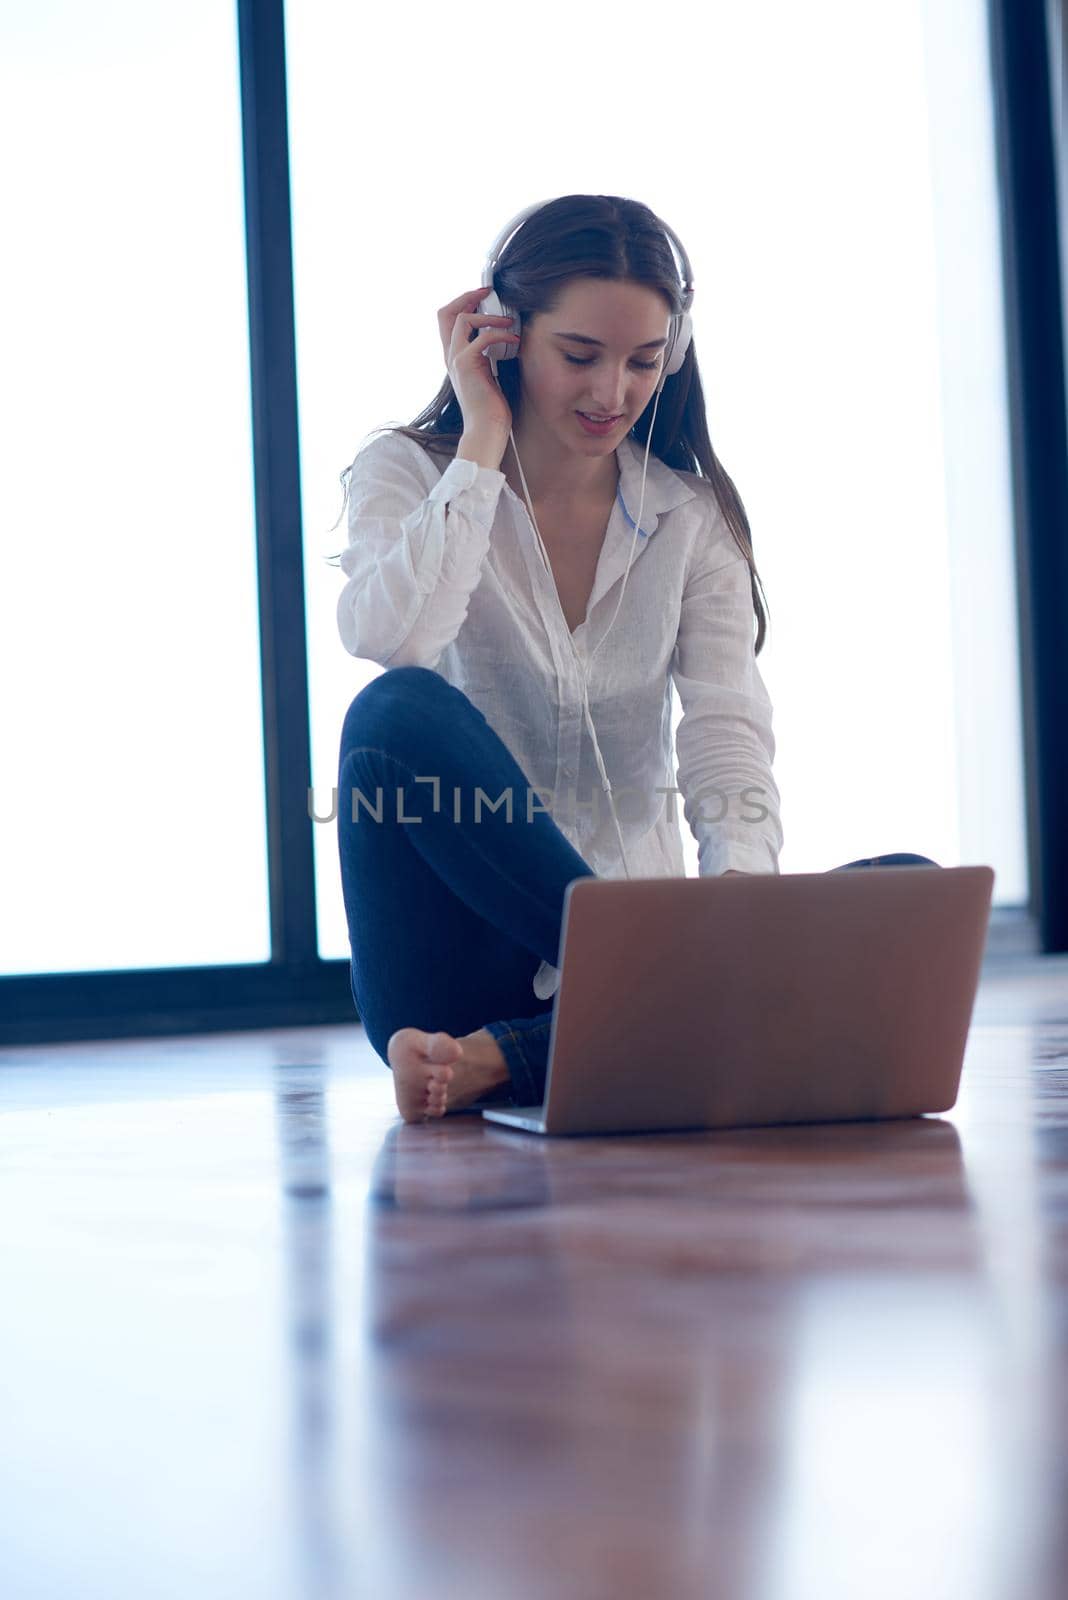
(600, 236)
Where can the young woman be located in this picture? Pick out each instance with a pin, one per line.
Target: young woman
(470, 790)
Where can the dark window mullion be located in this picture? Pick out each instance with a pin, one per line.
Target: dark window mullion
(276, 465)
(1019, 53)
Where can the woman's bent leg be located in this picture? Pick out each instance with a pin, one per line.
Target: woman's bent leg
(452, 901)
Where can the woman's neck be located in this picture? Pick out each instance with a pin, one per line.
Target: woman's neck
(556, 479)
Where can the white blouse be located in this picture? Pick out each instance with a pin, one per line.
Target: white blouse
(443, 571)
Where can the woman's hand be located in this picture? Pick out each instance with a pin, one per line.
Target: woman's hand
(485, 410)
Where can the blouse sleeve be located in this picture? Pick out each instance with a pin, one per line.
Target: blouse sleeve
(724, 742)
(417, 541)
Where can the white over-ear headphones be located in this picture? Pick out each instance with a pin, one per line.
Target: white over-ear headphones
(679, 337)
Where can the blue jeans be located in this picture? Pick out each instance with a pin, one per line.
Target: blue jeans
(450, 917)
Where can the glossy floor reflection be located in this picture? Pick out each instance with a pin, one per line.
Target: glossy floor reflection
(261, 1339)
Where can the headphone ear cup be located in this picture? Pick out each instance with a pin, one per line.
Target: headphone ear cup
(492, 307)
(682, 333)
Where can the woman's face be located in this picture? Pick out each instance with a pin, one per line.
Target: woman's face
(624, 328)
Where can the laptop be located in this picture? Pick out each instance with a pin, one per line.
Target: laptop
(696, 1003)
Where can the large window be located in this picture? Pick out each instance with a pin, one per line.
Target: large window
(833, 173)
(831, 170)
(133, 802)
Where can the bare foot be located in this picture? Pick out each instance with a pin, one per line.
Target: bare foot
(435, 1073)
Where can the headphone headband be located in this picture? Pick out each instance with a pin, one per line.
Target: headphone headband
(502, 239)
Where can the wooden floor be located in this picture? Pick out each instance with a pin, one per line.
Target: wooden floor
(260, 1339)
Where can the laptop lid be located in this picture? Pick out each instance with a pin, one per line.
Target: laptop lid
(726, 1002)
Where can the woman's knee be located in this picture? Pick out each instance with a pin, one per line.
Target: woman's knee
(397, 701)
(396, 686)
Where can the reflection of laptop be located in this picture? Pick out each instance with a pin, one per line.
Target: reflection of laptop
(794, 997)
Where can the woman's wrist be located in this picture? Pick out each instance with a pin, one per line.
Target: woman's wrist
(483, 449)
